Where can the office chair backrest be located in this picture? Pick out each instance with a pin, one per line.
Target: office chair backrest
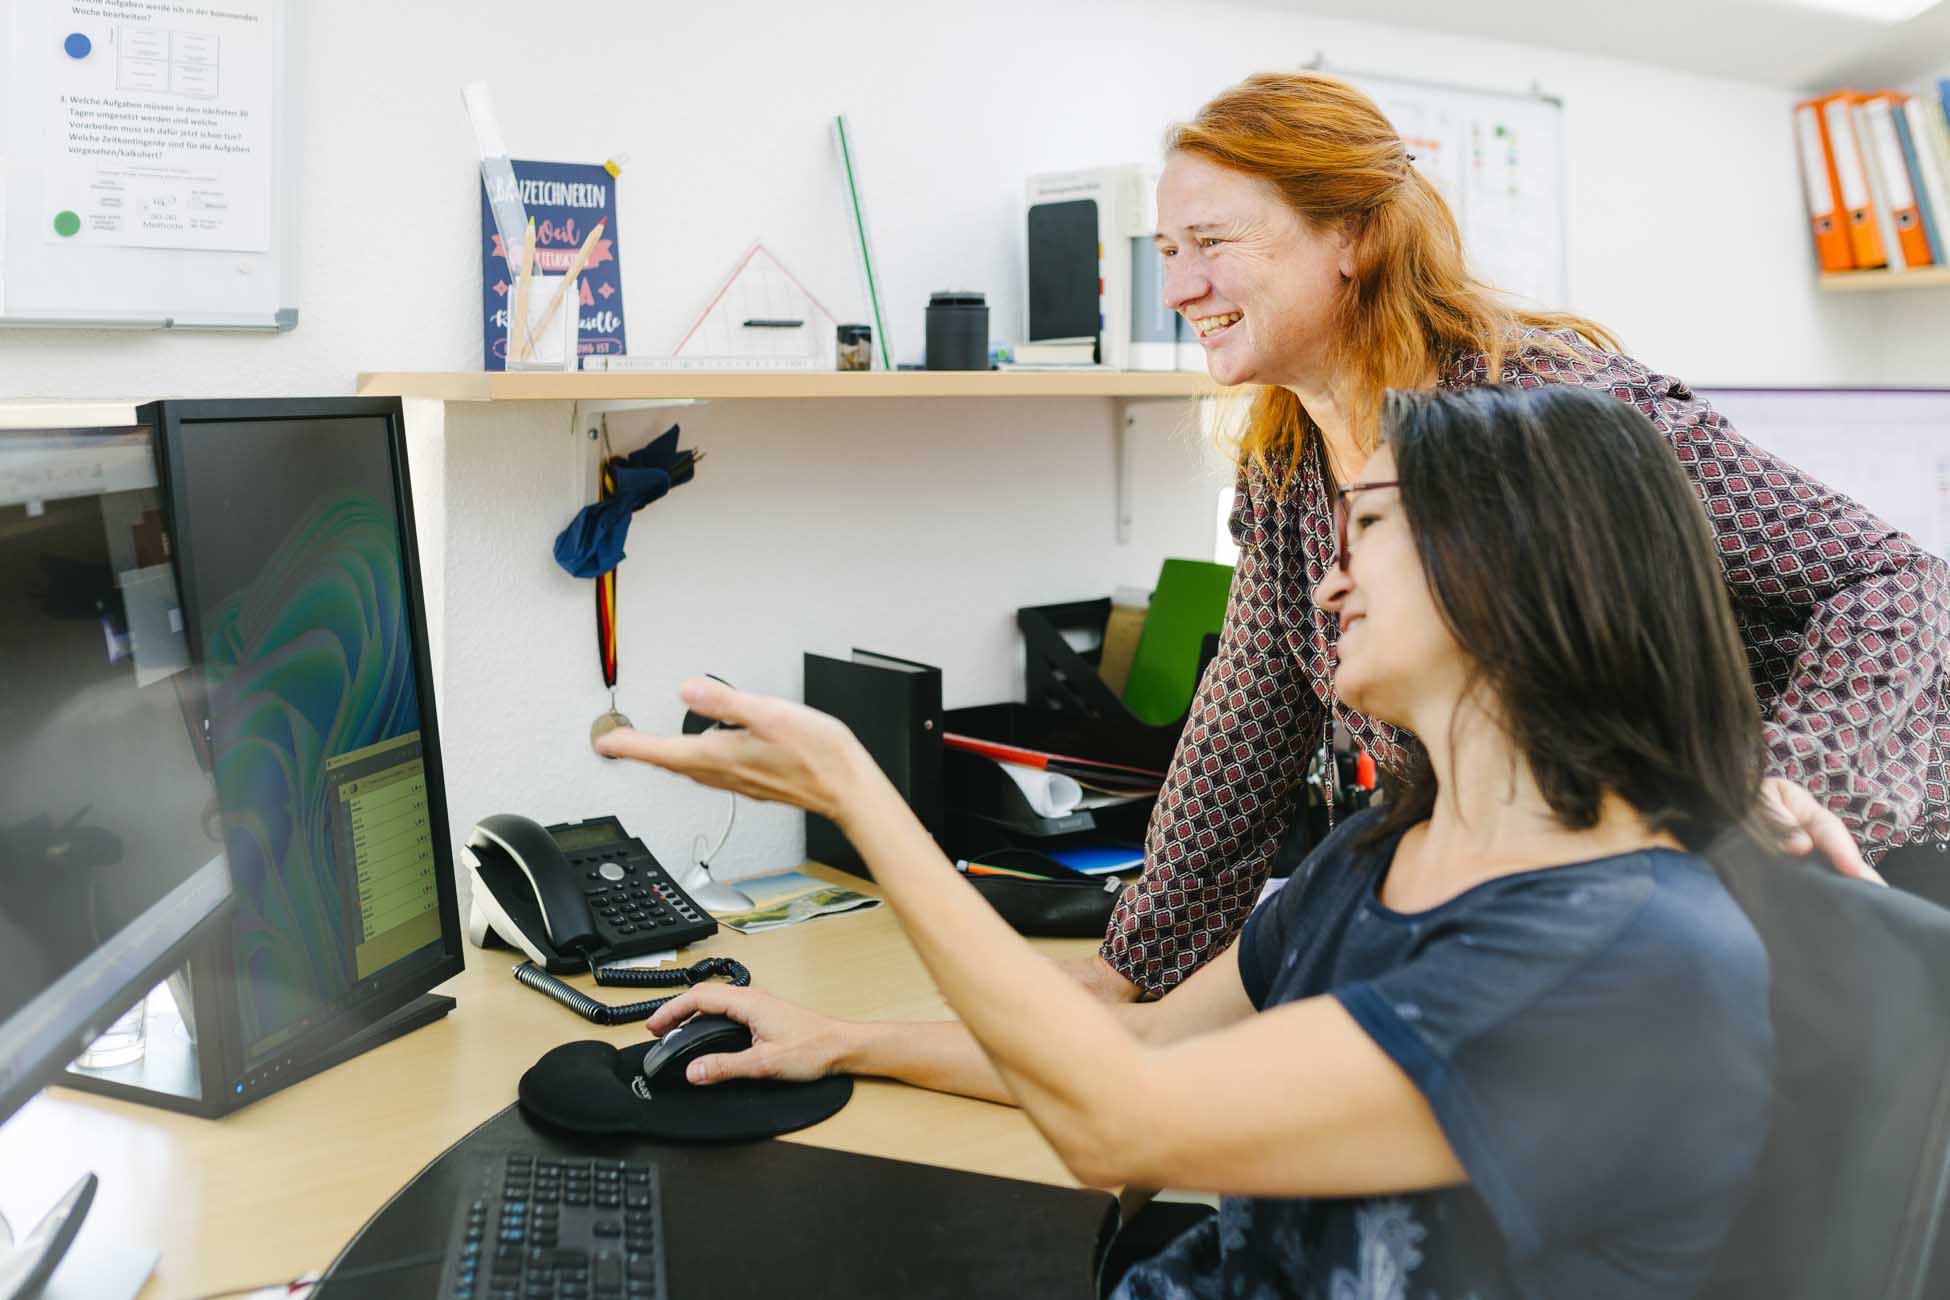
(1850, 1193)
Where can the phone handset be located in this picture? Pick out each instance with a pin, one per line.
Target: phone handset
(565, 915)
(574, 895)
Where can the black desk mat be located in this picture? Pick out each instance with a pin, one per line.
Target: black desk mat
(771, 1219)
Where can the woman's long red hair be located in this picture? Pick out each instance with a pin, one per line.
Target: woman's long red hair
(1411, 304)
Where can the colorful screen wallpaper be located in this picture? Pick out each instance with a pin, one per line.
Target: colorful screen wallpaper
(308, 654)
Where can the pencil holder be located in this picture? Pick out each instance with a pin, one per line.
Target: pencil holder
(555, 333)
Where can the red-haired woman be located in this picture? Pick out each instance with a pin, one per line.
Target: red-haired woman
(1314, 261)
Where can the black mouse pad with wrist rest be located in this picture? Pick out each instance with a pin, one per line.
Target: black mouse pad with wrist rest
(760, 1220)
(594, 1087)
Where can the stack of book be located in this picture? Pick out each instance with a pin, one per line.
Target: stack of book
(1054, 353)
(1876, 170)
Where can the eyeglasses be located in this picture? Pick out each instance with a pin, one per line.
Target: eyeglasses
(1341, 512)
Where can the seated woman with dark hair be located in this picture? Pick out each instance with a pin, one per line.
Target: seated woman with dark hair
(1505, 1035)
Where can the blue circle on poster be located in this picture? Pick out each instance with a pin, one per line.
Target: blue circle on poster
(77, 45)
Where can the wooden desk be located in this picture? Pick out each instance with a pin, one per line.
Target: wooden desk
(276, 1189)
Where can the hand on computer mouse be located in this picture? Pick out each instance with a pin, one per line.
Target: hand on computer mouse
(787, 1041)
(669, 1058)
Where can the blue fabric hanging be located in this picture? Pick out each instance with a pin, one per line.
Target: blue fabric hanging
(592, 544)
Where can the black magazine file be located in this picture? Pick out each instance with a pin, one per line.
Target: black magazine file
(894, 707)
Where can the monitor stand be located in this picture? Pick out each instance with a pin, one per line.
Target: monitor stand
(423, 1010)
(170, 1074)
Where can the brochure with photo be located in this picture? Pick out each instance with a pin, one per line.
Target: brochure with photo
(789, 898)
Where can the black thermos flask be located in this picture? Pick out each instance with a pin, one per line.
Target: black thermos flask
(958, 331)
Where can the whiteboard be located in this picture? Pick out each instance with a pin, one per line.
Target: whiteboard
(1888, 449)
(147, 167)
(1497, 158)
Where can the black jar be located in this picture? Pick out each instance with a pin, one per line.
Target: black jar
(958, 331)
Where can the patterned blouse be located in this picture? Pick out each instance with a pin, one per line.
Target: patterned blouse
(1845, 621)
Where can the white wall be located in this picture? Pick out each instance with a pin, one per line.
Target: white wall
(913, 528)
(1911, 339)
(1685, 227)
(816, 526)
(1907, 337)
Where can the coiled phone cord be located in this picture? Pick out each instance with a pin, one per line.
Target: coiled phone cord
(629, 977)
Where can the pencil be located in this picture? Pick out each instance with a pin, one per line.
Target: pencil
(518, 327)
(555, 299)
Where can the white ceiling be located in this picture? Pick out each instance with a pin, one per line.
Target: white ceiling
(1768, 41)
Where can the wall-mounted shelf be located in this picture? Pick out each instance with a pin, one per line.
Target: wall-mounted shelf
(1923, 277)
(575, 386)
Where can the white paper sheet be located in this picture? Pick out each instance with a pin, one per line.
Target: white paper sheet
(1051, 794)
(159, 124)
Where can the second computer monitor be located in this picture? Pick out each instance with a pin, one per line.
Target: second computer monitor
(111, 856)
(305, 619)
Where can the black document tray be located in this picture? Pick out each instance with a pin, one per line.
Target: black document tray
(1064, 682)
(971, 826)
(1103, 740)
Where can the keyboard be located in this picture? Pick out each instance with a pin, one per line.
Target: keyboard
(544, 1227)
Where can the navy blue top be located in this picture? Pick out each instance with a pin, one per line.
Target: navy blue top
(1594, 1041)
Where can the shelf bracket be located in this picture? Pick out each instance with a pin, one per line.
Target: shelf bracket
(589, 413)
(1126, 413)
(586, 429)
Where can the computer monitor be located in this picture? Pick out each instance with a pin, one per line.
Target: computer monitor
(111, 862)
(303, 616)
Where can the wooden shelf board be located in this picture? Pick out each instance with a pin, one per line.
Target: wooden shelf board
(575, 386)
(1871, 281)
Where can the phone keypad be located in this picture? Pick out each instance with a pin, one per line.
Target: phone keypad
(635, 903)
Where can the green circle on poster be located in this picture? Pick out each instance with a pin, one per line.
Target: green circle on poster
(66, 224)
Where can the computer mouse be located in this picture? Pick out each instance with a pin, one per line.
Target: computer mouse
(701, 1035)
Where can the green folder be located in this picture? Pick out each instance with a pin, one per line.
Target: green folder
(1189, 604)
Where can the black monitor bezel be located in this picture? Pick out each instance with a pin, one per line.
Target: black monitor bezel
(392, 989)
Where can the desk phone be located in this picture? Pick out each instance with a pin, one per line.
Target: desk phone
(574, 895)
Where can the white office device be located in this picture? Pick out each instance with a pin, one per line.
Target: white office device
(1078, 227)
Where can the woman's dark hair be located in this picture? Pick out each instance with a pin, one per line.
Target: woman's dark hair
(1574, 566)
